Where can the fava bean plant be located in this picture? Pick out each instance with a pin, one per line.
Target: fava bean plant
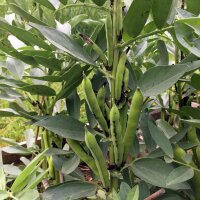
(112, 89)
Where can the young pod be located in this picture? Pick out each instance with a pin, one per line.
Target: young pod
(95, 47)
(116, 136)
(99, 158)
(119, 76)
(192, 137)
(109, 38)
(126, 80)
(101, 98)
(80, 152)
(93, 104)
(180, 155)
(133, 120)
(123, 118)
(119, 17)
(107, 112)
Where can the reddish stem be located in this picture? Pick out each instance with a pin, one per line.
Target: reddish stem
(156, 194)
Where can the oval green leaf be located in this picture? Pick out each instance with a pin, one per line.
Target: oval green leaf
(136, 17)
(153, 171)
(166, 76)
(179, 175)
(65, 126)
(42, 90)
(161, 10)
(70, 190)
(160, 139)
(64, 42)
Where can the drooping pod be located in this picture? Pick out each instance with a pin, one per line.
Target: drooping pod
(99, 158)
(123, 118)
(125, 79)
(192, 137)
(109, 38)
(101, 98)
(116, 135)
(180, 155)
(107, 112)
(93, 104)
(119, 76)
(133, 120)
(80, 152)
(95, 47)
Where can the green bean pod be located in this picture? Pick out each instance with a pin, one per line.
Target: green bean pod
(101, 98)
(100, 53)
(99, 158)
(119, 76)
(107, 112)
(123, 118)
(93, 104)
(179, 155)
(80, 152)
(116, 136)
(133, 120)
(192, 137)
(109, 37)
(126, 79)
(119, 17)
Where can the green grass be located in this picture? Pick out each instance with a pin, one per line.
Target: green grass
(11, 127)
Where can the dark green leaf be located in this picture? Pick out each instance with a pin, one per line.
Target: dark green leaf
(153, 171)
(167, 129)
(23, 35)
(149, 142)
(16, 9)
(70, 164)
(51, 63)
(195, 80)
(64, 126)
(64, 42)
(156, 172)
(160, 139)
(8, 112)
(137, 16)
(180, 174)
(99, 2)
(73, 105)
(165, 77)
(190, 111)
(164, 56)
(161, 11)
(70, 190)
(46, 78)
(42, 90)
(185, 32)
(46, 3)
(193, 6)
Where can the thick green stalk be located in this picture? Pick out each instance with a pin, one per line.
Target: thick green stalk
(116, 20)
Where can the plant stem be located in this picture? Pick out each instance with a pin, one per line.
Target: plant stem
(144, 36)
(156, 194)
(187, 165)
(117, 19)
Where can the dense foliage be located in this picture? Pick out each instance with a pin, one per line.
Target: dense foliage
(112, 88)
